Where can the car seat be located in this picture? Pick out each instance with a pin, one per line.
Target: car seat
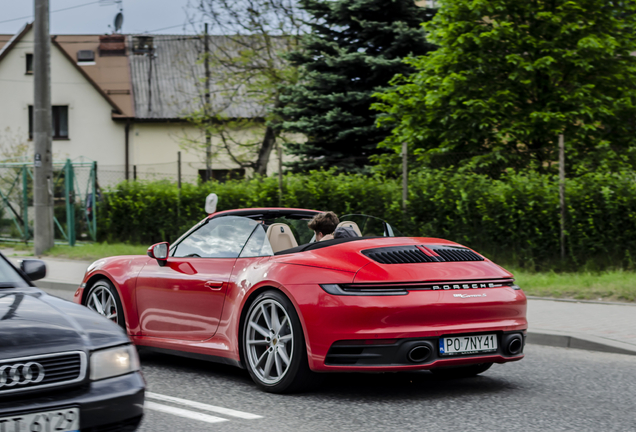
(352, 225)
(280, 237)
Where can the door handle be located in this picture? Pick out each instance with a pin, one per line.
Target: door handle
(214, 285)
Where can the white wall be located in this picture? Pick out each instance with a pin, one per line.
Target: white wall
(154, 148)
(93, 135)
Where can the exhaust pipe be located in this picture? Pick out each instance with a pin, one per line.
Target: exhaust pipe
(513, 344)
(419, 353)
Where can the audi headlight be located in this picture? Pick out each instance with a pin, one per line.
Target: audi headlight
(113, 362)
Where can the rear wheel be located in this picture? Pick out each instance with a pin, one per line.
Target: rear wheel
(462, 371)
(274, 345)
(104, 299)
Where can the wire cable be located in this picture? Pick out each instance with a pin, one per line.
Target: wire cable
(57, 10)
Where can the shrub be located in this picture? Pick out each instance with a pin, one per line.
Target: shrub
(514, 219)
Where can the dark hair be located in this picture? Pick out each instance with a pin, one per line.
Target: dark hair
(324, 223)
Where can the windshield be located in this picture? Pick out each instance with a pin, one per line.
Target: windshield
(9, 277)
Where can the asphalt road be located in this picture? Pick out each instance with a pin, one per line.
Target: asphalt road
(552, 389)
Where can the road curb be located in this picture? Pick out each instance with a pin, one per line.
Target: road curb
(565, 300)
(579, 341)
(65, 286)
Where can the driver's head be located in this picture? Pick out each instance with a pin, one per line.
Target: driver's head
(323, 224)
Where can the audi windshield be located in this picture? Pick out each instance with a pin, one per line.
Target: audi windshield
(9, 277)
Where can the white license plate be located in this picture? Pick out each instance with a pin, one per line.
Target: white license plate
(467, 344)
(62, 420)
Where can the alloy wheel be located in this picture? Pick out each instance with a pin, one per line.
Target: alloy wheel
(102, 301)
(270, 341)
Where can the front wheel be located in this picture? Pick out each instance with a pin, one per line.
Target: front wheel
(104, 299)
(274, 346)
(462, 371)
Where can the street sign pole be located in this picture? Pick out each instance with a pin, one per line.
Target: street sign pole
(42, 160)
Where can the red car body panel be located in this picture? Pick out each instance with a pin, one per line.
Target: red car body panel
(196, 304)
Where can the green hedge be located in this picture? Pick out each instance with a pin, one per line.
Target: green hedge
(514, 219)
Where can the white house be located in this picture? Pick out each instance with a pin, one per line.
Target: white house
(118, 100)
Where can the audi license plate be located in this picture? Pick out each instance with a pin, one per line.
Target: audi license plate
(459, 345)
(62, 420)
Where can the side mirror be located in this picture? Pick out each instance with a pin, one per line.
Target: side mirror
(159, 252)
(33, 268)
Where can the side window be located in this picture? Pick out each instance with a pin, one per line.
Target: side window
(222, 237)
(257, 245)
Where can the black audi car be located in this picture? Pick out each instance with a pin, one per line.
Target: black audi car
(62, 366)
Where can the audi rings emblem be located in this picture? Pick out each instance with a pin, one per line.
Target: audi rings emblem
(21, 374)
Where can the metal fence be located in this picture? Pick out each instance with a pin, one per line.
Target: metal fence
(186, 172)
(74, 188)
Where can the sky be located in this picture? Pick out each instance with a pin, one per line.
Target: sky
(94, 17)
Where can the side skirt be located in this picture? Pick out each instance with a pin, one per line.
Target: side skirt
(196, 356)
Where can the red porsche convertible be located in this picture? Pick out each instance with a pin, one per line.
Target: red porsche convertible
(250, 288)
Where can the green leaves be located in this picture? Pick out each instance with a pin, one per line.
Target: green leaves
(510, 76)
(514, 220)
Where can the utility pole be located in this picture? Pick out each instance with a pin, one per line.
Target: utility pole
(42, 160)
(208, 137)
(562, 192)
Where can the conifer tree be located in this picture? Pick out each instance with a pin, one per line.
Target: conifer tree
(353, 50)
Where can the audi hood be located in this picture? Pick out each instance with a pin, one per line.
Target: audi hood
(34, 323)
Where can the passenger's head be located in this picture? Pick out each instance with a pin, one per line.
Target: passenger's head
(323, 224)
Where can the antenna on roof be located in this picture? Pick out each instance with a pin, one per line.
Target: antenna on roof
(119, 20)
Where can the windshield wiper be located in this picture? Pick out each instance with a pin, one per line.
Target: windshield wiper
(7, 285)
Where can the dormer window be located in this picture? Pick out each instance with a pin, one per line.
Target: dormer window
(86, 57)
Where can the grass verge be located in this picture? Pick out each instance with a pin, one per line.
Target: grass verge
(616, 285)
(82, 251)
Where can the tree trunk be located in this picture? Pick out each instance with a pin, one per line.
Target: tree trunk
(269, 141)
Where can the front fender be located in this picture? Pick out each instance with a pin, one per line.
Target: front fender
(122, 272)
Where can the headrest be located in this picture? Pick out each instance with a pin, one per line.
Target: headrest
(350, 224)
(281, 237)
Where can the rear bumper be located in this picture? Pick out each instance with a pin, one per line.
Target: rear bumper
(110, 404)
(412, 354)
(405, 319)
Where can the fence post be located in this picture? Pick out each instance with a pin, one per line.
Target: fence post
(70, 202)
(179, 169)
(405, 178)
(94, 200)
(562, 192)
(25, 203)
(280, 175)
(178, 188)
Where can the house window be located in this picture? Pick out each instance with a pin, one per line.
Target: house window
(59, 122)
(29, 64)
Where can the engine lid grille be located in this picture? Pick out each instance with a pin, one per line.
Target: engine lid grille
(421, 254)
(398, 255)
(454, 253)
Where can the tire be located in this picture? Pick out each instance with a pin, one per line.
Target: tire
(273, 344)
(103, 298)
(462, 371)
